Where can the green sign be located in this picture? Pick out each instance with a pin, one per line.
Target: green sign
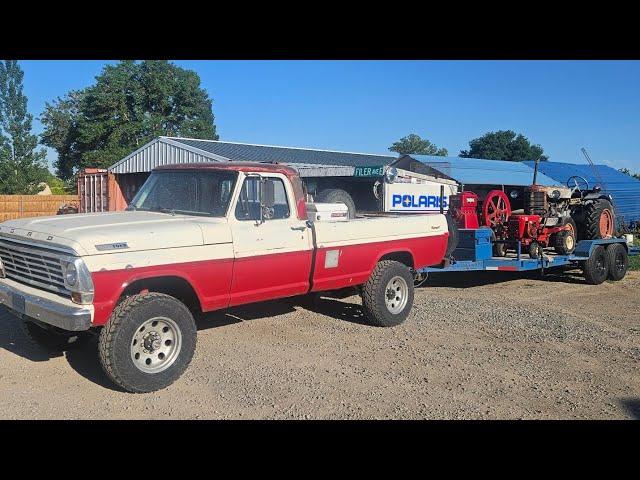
(369, 171)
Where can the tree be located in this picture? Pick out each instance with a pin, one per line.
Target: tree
(504, 145)
(22, 165)
(628, 172)
(414, 144)
(130, 104)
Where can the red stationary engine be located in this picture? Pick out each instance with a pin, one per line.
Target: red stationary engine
(464, 209)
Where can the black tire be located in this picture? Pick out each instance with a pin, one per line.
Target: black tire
(592, 212)
(52, 338)
(561, 244)
(116, 339)
(454, 235)
(374, 294)
(618, 261)
(499, 250)
(534, 250)
(336, 195)
(596, 267)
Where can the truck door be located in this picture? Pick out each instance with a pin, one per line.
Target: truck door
(272, 251)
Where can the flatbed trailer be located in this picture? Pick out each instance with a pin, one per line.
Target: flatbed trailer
(586, 251)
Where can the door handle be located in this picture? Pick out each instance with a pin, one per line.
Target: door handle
(301, 228)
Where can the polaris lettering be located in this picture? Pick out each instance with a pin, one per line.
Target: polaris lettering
(418, 201)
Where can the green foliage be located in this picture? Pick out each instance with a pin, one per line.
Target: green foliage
(130, 104)
(22, 165)
(503, 145)
(414, 144)
(628, 172)
(59, 186)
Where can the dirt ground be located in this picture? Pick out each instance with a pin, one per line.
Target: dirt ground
(476, 346)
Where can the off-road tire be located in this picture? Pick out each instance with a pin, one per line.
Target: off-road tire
(592, 212)
(534, 250)
(596, 267)
(374, 292)
(337, 195)
(52, 338)
(117, 335)
(618, 261)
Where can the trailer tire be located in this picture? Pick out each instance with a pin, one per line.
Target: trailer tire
(618, 261)
(122, 338)
(53, 339)
(337, 195)
(388, 278)
(596, 267)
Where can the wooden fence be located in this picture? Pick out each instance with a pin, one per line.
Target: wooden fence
(21, 206)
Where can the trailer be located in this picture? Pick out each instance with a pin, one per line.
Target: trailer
(599, 259)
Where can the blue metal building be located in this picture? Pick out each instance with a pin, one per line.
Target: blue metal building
(624, 189)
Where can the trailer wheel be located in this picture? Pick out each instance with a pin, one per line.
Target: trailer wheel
(387, 297)
(618, 261)
(336, 195)
(148, 342)
(596, 267)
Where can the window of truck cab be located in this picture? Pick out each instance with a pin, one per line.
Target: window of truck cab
(188, 192)
(248, 202)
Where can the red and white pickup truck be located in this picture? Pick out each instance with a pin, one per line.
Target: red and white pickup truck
(197, 238)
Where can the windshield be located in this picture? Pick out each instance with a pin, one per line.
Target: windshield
(194, 192)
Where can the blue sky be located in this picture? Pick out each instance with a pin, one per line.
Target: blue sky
(364, 106)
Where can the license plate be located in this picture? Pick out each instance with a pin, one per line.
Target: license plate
(17, 302)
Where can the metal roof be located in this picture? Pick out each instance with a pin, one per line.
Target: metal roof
(624, 189)
(476, 171)
(170, 150)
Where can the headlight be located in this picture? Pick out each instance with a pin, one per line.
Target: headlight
(71, 275)
(77, 279)
(513, 194)
(555, 194)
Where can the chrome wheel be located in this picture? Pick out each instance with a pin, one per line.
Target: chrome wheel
(156, 345)
(396, 295)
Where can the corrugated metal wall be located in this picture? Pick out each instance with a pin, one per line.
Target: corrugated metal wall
(155, 154)
(624, 189)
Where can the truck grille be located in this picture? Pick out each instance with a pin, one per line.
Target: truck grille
(36, 266)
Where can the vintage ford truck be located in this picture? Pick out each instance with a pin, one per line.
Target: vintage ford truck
(198, 238)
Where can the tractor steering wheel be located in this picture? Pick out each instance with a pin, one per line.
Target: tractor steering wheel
(576, 185)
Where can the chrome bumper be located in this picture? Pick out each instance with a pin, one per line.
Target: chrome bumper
(22, 300)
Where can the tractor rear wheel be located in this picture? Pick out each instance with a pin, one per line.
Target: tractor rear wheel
(596, 267)
(599, 220)
(618, 261)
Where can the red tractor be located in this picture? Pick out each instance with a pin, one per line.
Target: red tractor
(536, 227)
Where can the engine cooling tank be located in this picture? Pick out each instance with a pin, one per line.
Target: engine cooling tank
(535, 200)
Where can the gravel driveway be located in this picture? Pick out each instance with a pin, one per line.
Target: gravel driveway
(489, 345)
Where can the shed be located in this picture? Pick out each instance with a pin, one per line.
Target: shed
(623, 188)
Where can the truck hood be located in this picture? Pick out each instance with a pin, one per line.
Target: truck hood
(103, 233)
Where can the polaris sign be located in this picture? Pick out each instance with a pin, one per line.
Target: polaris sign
(414, 201)
(417, 197)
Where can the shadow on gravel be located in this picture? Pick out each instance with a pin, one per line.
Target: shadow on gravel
(632, 406)
(14, 340)
(244, 313)
(480, 278)
(324, 306)
(83, 358)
